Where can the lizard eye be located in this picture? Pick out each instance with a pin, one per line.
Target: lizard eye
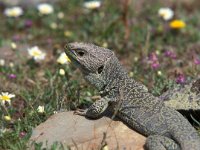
(100, 69)
(80, 53)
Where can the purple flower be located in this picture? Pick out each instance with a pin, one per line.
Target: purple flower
(28, 23)
(153, 60)
(170, 54)
(196, 61)
(180, 79)
(12, 76)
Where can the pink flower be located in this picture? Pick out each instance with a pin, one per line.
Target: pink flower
(153, 60)
(16, 38)
(170, 54)
(153, 57)
(155, 65)
(12, 76)
(22, 134)
(180, 79)
(196, 61)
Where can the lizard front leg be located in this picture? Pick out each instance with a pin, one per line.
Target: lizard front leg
(95, 110)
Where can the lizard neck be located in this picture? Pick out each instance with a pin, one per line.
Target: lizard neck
(115, 74)
(124, 88)
(118, 82)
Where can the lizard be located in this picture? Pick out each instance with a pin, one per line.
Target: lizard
(164, 127)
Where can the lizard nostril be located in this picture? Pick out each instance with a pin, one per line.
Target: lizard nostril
(67, 46)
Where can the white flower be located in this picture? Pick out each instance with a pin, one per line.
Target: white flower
(159, 73)
(54, 25)
(62, 72)
(45, 9)
(166, 13)
(13, 12)
(40, 109)
(92, 4)
(2, 62)
(6, 97)
(55, 112)
(105, 147)
(136, 58)
(157, 52)
(11, 64)
(13, 45)
(131, 74)
(60, 15)
(36, 53)
(63, 59)
(105, 44)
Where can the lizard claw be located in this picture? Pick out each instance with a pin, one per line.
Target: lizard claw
(81, 112)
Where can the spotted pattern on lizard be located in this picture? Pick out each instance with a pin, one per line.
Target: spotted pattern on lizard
(164, 127)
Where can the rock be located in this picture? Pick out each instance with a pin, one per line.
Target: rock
(183, 96)
(78, 132)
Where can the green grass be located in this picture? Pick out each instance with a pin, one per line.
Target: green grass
(41, 84)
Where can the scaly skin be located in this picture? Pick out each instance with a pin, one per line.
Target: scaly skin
(165, 128)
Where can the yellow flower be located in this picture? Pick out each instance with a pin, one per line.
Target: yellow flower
(7, 118)
(63, 59)
(45, 9)
(6, 97)
(177, 24)
(36, 53)
(62, 72)
(13, 12)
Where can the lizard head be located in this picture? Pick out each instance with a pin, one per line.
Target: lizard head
(92, 61)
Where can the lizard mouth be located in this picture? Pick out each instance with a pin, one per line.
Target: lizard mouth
(71, 53)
